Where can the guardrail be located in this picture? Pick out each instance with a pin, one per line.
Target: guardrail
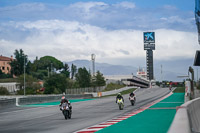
(34, 99)
(187, 118)
(7, 103)
(85, 90)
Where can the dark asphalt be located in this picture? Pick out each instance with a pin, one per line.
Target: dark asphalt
(85, 114)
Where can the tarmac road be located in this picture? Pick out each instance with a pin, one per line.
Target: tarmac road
(85, 114)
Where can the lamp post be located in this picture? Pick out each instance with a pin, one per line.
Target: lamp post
(51, 68)
(48, 71)
(24, 77)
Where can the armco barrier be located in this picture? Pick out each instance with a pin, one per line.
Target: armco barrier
(7, 103)
(40, 99)
(34, 99)
(187, 118)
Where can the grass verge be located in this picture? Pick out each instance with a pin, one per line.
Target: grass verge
(123, 92)
(113, 86)
(179, 90)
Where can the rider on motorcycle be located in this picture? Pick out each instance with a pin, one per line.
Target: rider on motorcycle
(119, 96)
(131, 95)
(63, 100)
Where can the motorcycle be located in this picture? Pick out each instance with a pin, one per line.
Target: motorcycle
(66, 110)
(120, 103)
(132, 100)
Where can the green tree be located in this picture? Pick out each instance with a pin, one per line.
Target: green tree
(73, 71)
(43, 67)
(99, 79)
(17, 65)
(56, 84)
(66, 70)
(30, 82)
(49, 62)
(40, 74)
(4, 76)
(83, 78)
(34, 65)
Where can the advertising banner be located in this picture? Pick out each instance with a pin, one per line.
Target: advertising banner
(149, 37)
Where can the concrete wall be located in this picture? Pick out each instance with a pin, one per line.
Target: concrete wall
(187, 118)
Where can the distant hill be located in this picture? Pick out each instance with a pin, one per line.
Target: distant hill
(108, 69)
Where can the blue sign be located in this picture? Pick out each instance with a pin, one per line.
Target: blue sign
(197, 7)
(149, 37)
(197, 17)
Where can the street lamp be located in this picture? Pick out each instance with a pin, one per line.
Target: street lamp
(48, 71)
(51, 68)
(24, 76)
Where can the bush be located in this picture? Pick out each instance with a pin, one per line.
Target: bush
(3, 91)
(29, 91)
(8, 80)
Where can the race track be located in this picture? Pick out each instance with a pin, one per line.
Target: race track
(85, 114)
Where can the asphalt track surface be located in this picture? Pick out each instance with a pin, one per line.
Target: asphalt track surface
(85, 114)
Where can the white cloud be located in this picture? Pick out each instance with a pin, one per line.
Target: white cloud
(73, 40)
(86, 6)
(126, 5)
(123, 15)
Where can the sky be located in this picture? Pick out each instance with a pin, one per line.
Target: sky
(111, 29)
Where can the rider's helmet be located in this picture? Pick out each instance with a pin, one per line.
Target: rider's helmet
(119, 94)
(63, 97)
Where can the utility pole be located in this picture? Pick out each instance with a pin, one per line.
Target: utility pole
(51, 69)
(197, 75)
(93, 64)
(24, 77)
(161, 74)
(48, 71)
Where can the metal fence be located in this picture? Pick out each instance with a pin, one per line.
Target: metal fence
(85, 90)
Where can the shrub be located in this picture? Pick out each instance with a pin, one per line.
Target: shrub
(3, 91)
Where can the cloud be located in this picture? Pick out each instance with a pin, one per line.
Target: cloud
(126, 5)
(70, 40)
(123, 15)
(86, 6)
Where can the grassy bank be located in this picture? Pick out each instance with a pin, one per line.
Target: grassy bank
(179, 90)
(113, 86)
(123, 92)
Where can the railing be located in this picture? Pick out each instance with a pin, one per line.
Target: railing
(85, 90)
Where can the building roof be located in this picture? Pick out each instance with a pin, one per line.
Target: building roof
(3, 58)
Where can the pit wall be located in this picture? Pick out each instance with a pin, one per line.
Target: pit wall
(187, 118)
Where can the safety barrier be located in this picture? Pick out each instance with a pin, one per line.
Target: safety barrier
(22, 100)
(85, 90)
(187, 118)
(7, 102)
(40, 99)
